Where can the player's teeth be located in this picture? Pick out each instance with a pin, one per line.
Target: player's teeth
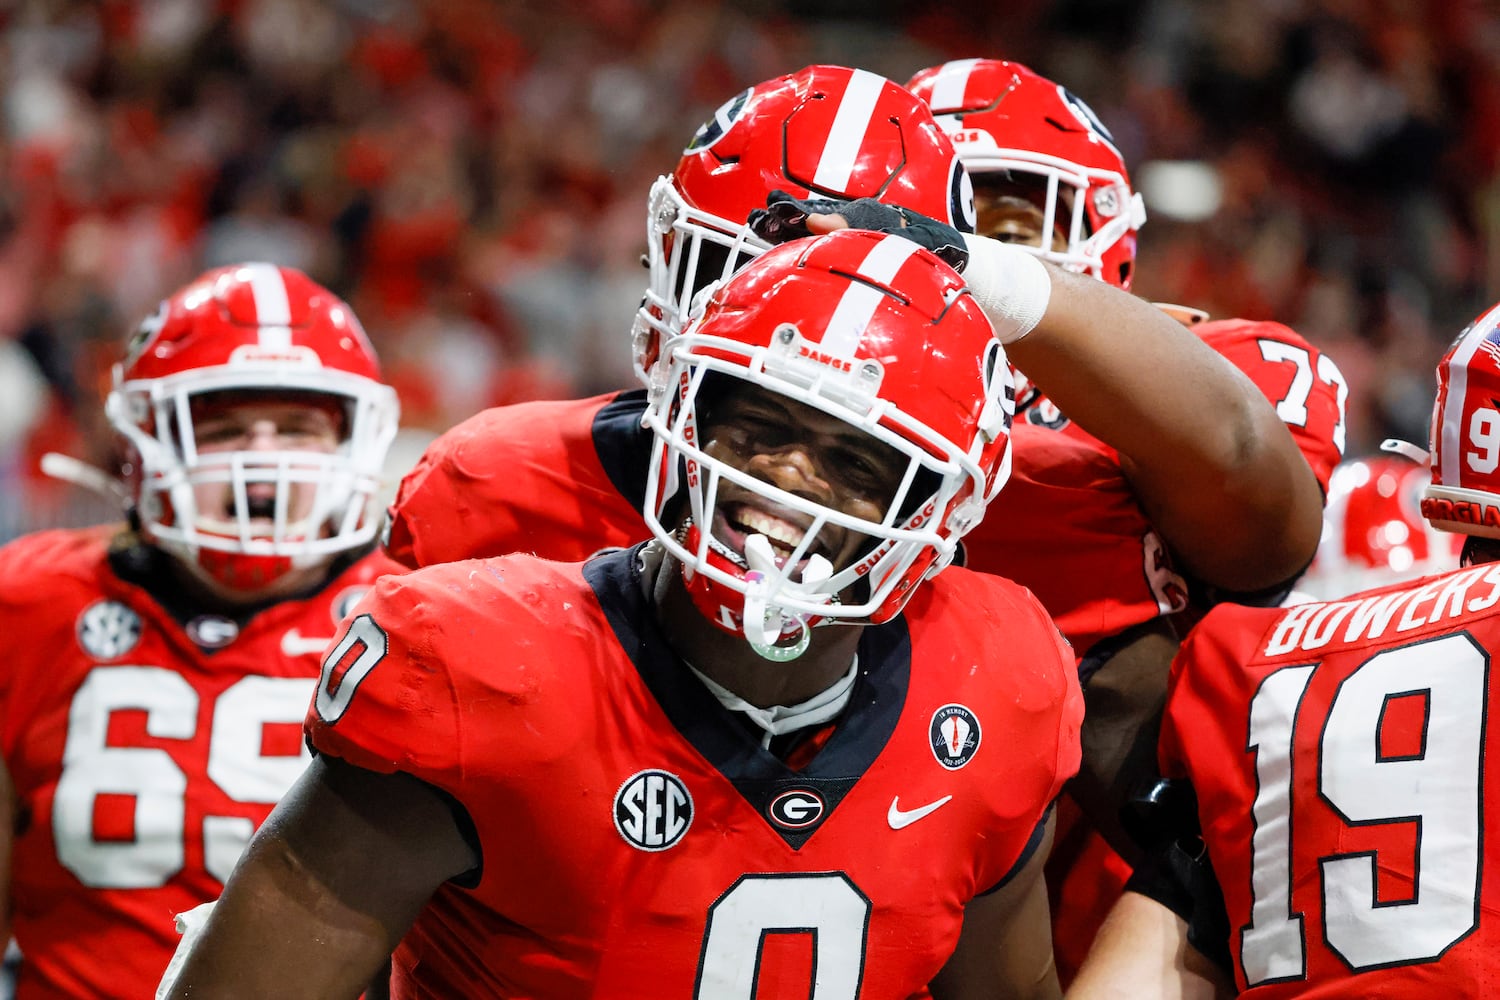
(773, 528)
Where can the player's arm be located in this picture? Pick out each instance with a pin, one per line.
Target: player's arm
(1210, 462)
(1142, 953)
(327, 887)
(1005, 948)
(1124, 694)
(1168, 935)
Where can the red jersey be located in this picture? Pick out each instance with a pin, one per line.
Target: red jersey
(1309, 391)
(1067, 527)
(1118, 574)
(144, 751)
(561, 479)
(636, 839)
(1338, 753)
(555, 479)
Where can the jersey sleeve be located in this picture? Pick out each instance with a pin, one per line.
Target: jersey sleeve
(554, 478)
(1067, 746)
(386, 700)
(452, 504)
(1052, 675)
(38, 573)
(1049, 714)
(1205, 687)
(1304, 384)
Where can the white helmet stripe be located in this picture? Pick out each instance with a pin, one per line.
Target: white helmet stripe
(859, 302)
(1458, 390)
(848, 132)
(949, 84)
(272, 311)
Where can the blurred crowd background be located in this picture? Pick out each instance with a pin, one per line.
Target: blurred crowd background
(471, 174)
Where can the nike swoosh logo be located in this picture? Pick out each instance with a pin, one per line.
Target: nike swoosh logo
(292, 644)
(899, 817)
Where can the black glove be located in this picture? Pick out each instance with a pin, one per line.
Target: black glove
(785, 218)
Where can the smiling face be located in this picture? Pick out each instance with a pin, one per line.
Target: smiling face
(803, 451)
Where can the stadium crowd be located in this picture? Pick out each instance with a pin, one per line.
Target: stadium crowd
(469, 175)
(346, 208)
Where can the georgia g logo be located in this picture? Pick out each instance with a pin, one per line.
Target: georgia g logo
(713, 130)
(961, 198)
(653, 810)
(797, 809)
(146, 333)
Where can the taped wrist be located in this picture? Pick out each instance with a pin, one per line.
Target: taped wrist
(1011, 285)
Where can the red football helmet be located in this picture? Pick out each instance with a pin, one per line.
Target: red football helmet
(879, 333)
(255, 331)
(1011, 126)
(1373, 530)
(825, 131)
(1465, 439)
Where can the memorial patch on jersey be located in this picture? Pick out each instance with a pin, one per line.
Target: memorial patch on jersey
(954, 735)
(653, 810)
(108, 629)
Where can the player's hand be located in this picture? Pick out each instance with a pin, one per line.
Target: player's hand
(786, 218)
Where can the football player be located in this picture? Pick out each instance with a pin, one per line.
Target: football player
(706, 765)
(1336, 749)
(492, 484)
(158, 671)
(563, 479)
(846, 133)
(1047, 176)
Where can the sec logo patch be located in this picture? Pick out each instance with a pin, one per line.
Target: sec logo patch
(108, 629)
(653, 810)
(954, 735)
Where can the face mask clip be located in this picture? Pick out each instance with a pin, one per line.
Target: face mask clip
(766, 625)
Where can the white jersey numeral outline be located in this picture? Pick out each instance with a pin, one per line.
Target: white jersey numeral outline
(1440, 789)
(91, 767)
(826, 906)
(1292, 408)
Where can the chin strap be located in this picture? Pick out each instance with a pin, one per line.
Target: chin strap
(1406, 449)
(71, 470)
(766, 625)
